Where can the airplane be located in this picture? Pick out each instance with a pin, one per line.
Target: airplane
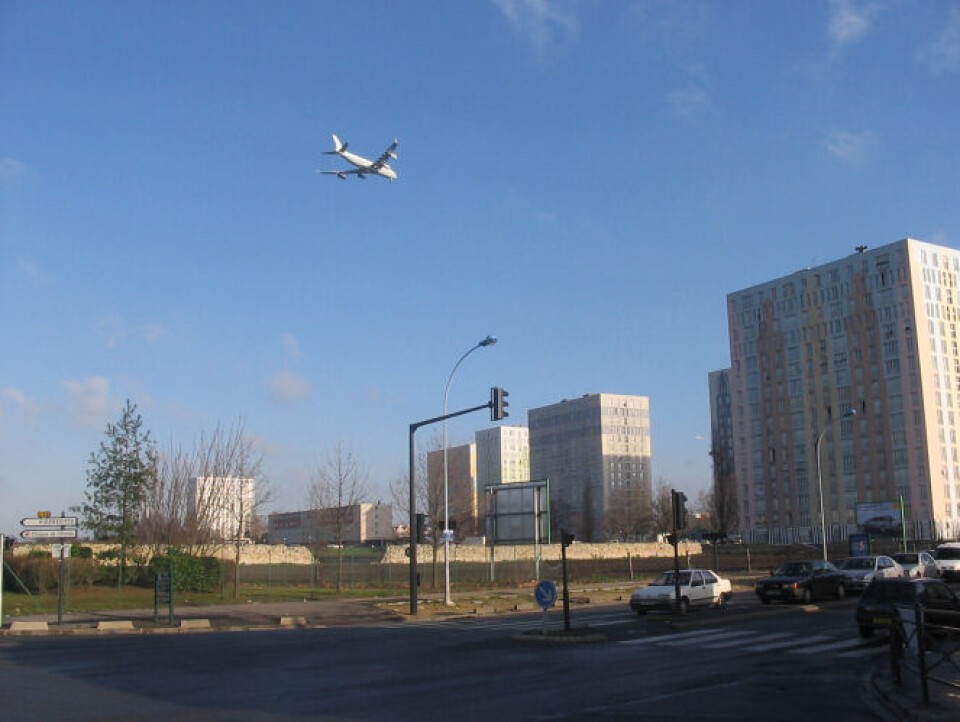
(364, 166)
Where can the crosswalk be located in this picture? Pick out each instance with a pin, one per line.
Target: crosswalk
(743, 639)
(752, 641)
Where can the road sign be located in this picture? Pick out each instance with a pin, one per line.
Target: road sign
(49, 521)
(49, 533)
(545, 594)
(60, 551)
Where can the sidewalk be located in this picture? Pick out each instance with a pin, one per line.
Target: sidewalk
(905, 700)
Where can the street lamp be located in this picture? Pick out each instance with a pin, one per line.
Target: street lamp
(823, 521)
(447, 600)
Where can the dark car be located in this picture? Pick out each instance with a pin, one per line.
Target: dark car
(877, 605)
(802, 581)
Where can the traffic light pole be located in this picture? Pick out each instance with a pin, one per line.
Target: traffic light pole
(413, 495)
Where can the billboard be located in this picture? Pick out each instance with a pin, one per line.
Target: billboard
(880, 518)
(518, 513)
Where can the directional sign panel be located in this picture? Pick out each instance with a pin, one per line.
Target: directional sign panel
(49, 533)
(49, 521)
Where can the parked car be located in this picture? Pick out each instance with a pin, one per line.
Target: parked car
(948, 561)
(698, 588)
(802, 581)
(877, 605)
(917, 564)
(858, 572)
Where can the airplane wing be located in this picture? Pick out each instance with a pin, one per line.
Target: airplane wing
(387, 155)
(344, 173)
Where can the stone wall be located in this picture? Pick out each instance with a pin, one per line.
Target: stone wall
(549, 552)
(249, 553)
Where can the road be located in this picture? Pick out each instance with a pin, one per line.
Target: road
(750, 662)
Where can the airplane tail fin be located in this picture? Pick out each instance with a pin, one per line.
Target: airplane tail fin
(338, 147)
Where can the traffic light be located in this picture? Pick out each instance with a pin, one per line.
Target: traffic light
(498, 403)
(566, 538)
(679, 509)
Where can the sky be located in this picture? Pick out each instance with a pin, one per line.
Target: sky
(585, 180)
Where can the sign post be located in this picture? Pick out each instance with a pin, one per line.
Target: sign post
(546, 595)
(46, 526)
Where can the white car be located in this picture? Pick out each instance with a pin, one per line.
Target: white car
(698, 588)
(917, 565)
(858, 572)
(948, 561)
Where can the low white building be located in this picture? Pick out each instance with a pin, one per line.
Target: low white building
(361, 524)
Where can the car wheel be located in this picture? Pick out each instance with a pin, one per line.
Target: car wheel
(841, 591)
(865, 631)
(806, 597)
(722, 602)
(684, 606)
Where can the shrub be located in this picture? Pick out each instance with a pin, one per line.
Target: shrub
(190, 573)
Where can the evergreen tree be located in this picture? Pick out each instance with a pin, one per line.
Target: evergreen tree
(118, 478)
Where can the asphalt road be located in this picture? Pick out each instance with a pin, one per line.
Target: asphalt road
(751, 662)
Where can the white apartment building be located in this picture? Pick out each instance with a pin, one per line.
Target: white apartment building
(873, 335)
(223, 506)
(503, 455)
(596, 453)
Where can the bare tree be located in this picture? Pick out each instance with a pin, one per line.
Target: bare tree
(339, 484)
(724, 505)
(429, 498)
(208, 495)
(628, 516)
(662, 508)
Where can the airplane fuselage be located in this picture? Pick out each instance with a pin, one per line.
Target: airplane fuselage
(364, 164)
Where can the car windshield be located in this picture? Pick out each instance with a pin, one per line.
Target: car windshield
(793, 569)
(858, 563)
(948, 553)
(907, 558)
(668, 579)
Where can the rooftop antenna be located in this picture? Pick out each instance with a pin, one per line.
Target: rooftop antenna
(860, 249)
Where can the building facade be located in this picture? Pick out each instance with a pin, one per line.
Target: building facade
(462, 492)
(359, 524)
(596, 453)
(223, 506)
(857, 359)
(503, 455)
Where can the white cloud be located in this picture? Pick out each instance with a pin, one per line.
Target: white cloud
(851, 147)
(288, 386)
(24, 404)
(12, 172)
(542, 23)
(87, 400)
(153, 333)
(686, 102)
(944, 54)
(292, 346)
(849, 21)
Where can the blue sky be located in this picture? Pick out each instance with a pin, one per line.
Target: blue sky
(584, 180)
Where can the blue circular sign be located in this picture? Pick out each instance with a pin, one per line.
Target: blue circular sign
(545, 594)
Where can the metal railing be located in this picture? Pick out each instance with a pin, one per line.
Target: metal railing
(932, 650)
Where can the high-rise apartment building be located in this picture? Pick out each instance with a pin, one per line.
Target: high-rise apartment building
(462, 493)
(222, 505)
(503, 455)
(861, 358)
(595, 451)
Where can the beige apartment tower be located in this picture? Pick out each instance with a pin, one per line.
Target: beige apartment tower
(863, 355)
(595, 452)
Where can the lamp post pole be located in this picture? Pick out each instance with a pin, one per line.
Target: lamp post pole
(447, 599)
(823, 521)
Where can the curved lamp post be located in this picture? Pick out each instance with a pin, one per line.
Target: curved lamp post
(823, 522)
(447, 600)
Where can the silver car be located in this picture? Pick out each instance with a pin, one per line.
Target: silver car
(858, 572)
(917, 565)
